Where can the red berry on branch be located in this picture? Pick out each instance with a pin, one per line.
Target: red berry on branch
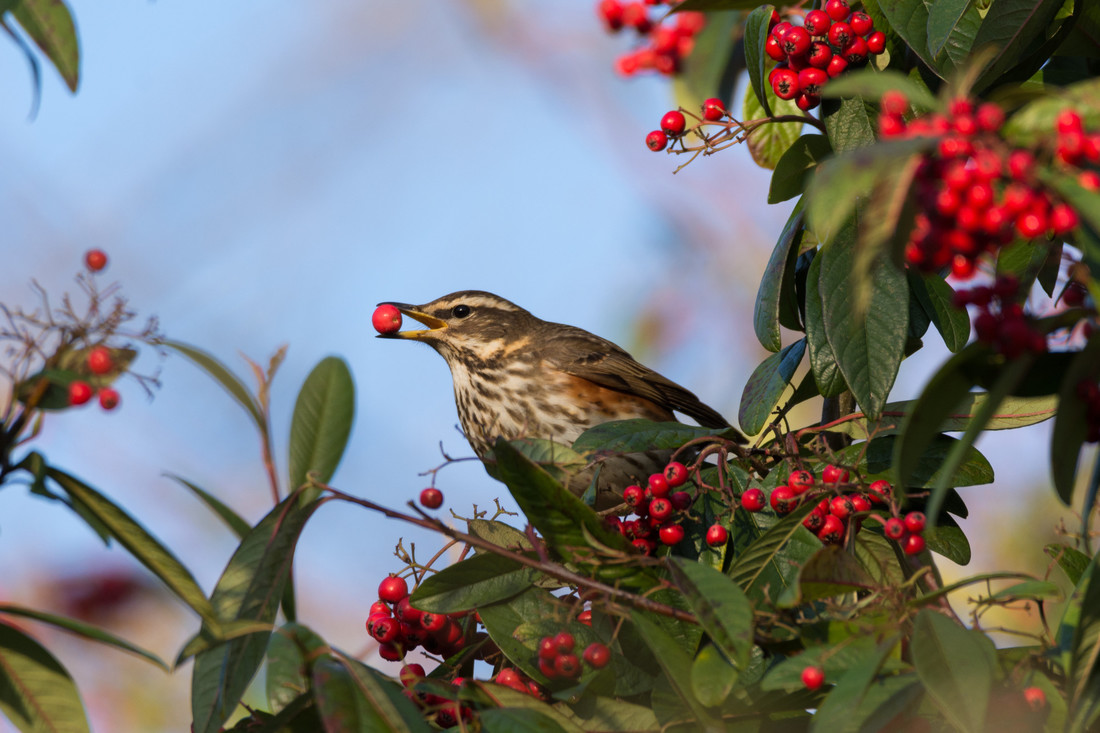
(811, 80)
(876, 42)
(838, 10)
(1035, 698)
(671, 534)
(676, 474)
(108, 398)
(800, 481)
(673, 123)
(386, 319)
(890, 125)
(1089, 180)
(713, 110)
(860, 503)
(611, 13)
(431, 498)
(95, 260)
(914, 522)
(814, 521)
(990, 117)
(390, 652)
(894, 102)
(1068, 121)
(817, 22)
(411, 674)
(913, 544)
(841, 507)
(813, 677)
(773, 49)
(99, 360)
(597, 655)
(894, 528)
(783, 500)
(567, 666)
(658, 485)
(836, 67)
(656, 141)
(834, 474)
(752, 500)
(564, 641)
(840, 35)
(681, 500)
(785, 83)
(379, 607)
(636, 16)
(392, 589)
(633, 495)
(79, 392)
(386, 630)
(861, 23)
(856, 52)
(1063, 219)
(717, 535)
(795, 42)
(660, 509)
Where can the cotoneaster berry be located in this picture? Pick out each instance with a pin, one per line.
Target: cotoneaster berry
(832, 530)
(753, 500)
(714, 109)
(658, 485)
(717, 535)
(109, 398)
(392, 589)
(800, 481)
(913, 544)
(99, 360)
(671, 534)
(783, 500)
(1035, 698)
(817, 22)
(433, 623)
(681, 500)
(79, 392)
(813, 677)
(894, 528)
(597, 655)
(548, 648)
(673, 123)
(431, 498)
(880, 491)
(386, 319)
(411, 674)
(95, 260)
(564, 641)
(834, 475)
(568, 666)
(660, 509)
(914, 522)
(656, 141)
(676, 474)
(633, 495)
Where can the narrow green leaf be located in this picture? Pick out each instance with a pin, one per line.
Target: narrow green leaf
(1078, 638)
(1010, 27)
(927, 470)
(947, 538)
(676, 664)
(1073, 562)
(756, 60)
(952, 27)
(830, 382)
(770, 564)
(776, 301)
(227, 379)
(766, 385)
(829, 572)
(290, 655)
(936, 297)
(723, 609)
(138, 542)
(520, 720)
(249, 589)
(81, 629)
(36, 693)
(957, 667)
(321, 424)
(909, 19)
(1071, 422)
(837, 712)
(50, 24)
(768, 143)
(871, 85)
(791, 172)
(476, 581)
(353, 698)
(834, 659)
(227, 515)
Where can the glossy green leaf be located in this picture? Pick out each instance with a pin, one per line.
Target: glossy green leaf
(829, 572)
(792, 170)
(834, 659)
(936, 298)
(83, 630)
(957, 667)
(878, 558)
(322, 422)
(520, 720)
(766, 385)
(499, 719)
(676, 664)
(1072, 561)
(36, 693)
(867, 338)
(138, 542)
(290, 655)
(250, 589)
(952, 27)
(839, 712)
(756, 59)
(503, 618)
(947, 538)
(875, 462)
(631, 436)
(50, 25)
(849, 123)
(909, 19)
(722, 608)
(1071, 422)
(712, 676)
(227, 515)
(770, 564)
(827, 376)
(223, 376)
(352, 698)
(1010, 27)
(499, 533)
(769, 142)
(476, 581)
(776, 301)
(1037, 119)
(1078, 638)
(871, 85)
(1029, 590)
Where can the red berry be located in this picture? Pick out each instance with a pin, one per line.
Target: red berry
(392, 589)
(860, 503)
(390, 652)
(411, 674)
(656, 141)
(832, 531)
(673, 123)
(379, 607)
(876, 42)
(1031, 224)
(795, 42)
(820, 55)
(783, 499)
(597, 655)
(914, 522)
(785, 83)
(660, 509)
(386, 630)
(99, 360)
(1068, 121)
(433, 623)
(585, 617)
(773, 49)
(806, 102)
(405, 611)
(1089, 180)
(676, 474)
(611, 13)
(633, 495)
(636, 16)
(817, 22)
(1035, 698)
(811, 80)
(713, 110)
(813, 677)
(861, 23)
(890, 125)
(856, 53)
(834, 474)
(568, 666)
(108, 398)
(814, 521)
(990, 117)
(717, 535)
(841, 507)
(894, 102)
(752, 500)
(386, 319)
(564, 642)
(841, 35)
(838, 9)
(671, 534)
(881, 490)
(79, 392)
(800, 481)
(1063, 219)
(836, 67)
(431, 498)
(658, 485)
(962, 267)
(95, 260)
(681, 500)
(913, 544)
(548, 648)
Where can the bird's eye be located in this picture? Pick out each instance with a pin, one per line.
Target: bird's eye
(460, 311)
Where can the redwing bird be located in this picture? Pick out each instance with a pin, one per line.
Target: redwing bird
(518, 376)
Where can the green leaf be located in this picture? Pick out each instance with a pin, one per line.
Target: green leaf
(957, 667)
(830, 382)
(520, 720)
(936, 297)
(792, 170)
(290, 655)
(322, 422)
(867, 338)
(476, 581)
(835, 659)
(1078, 638)
(138, 542)
(1071, 422)
(768, 142)
(36, 693)
(776, 301)
(756, 59)
(1010, 27)
(227, 515)
(836, 713)
(946, 538)
(722, 608)
(875, 461)
(352, 697)
(952, 27)
(50, 24)
(1029, 590)
(1073, 562)
(829, 572)
(909, 19)
(249, 589)
(1036, 120)
(712, 676)
(227, 379)
(771, 563)
(81, 629)
(633, 436)
(499, 533)
(849, 123)
(871, 84)
(503, 618)
(766, 385)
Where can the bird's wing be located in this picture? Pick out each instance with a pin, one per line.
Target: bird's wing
(590, 357)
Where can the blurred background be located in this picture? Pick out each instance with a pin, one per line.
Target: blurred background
(262, 176)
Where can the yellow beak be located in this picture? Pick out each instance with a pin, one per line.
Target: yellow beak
(432, 323)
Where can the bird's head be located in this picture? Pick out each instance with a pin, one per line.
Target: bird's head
(471, 323)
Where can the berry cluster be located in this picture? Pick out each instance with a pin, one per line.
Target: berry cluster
(657, 509)
(1001, 321)
(838, 509)
(444, 712)
(557, 659)
(674, 124)
(827, 43)
(1089, 393)
(98, 363)
(665, 43)
(975, 192)
(399, 628)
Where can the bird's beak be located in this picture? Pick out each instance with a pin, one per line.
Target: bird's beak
(433, 324)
